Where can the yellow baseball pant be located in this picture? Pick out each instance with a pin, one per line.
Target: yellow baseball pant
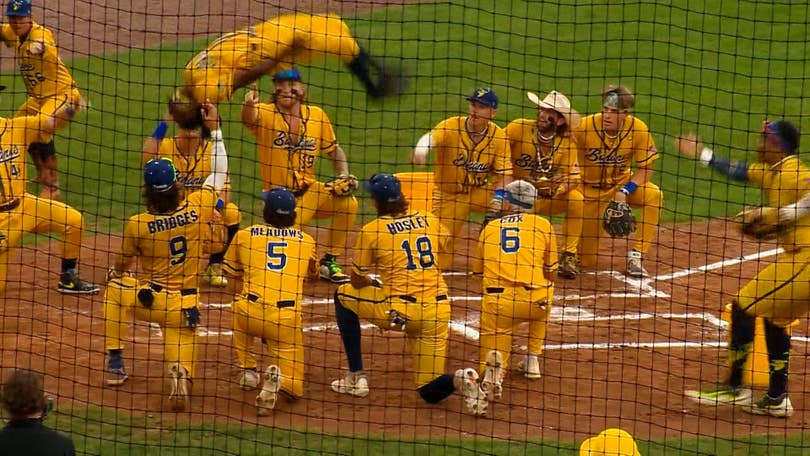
(780, 293)
(501, 314)
(37, 215)
(280, 325)
(648, 197)
(317, 36)
(572, 204)
(47, 105)
(121, 299)
(426, 329)
(319, 203)
(453, 209)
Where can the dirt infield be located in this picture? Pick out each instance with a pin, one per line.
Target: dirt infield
(637, 383)
(620, 352)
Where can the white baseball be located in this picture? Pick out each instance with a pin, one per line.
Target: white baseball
(422, 149)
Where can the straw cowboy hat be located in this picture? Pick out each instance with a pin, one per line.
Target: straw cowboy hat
(560, 103)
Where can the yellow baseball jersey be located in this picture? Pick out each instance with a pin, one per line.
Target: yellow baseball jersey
(404, 251)
(210, 73)
(605, 161)
(16, 134)
(510, 251)
(284, 162)
(273, 261)
(170, 246)
(530, 163)
(461, 165)
(785, 183)
(194, 169)
(44, 74)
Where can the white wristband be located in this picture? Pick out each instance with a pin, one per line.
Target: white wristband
(706, 156)
(795, 211)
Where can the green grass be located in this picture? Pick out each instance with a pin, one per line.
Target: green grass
(718, 69)
(106, 431)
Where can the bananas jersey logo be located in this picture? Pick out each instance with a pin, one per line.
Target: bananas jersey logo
(605, 157)
(9, 154)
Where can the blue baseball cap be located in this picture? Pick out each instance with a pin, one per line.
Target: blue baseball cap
(18, 8)
(384, 188)
(279, 201)
(160, 174)
(291, 74)
(485, 96)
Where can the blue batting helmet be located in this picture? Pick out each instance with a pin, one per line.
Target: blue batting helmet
(279, 200)
(384, 187)
(18, 8)
(159, 174)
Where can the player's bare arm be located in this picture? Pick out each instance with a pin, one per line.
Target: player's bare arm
(642, 175)
(361, 281)
(60, 118)
(250, 108)
(120, 267)
(340, 165)
(151, 145)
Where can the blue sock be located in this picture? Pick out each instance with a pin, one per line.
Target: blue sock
(349, 326)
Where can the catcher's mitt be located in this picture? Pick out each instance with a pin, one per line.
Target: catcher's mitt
(760, 222)
(343, 185)
(618, 219)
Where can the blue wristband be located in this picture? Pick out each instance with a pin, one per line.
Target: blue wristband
(500, 193)
(160, 130)
(629, 187)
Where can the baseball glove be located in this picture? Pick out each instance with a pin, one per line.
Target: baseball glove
(343, 185)
(760, 222)
(618, 219)
(547, 188)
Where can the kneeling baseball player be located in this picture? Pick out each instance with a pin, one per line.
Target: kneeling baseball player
(167, 240)
(273, 259)
(517, 255)
(410, 296)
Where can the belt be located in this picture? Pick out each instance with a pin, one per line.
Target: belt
(280, 304)
(413, 300)
(499, 290)
(183, 292)
(602, 186)
(13, 204)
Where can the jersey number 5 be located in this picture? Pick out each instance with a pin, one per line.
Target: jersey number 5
(276, 258)
(425, 250)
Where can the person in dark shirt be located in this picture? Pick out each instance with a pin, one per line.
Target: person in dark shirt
(25, 405)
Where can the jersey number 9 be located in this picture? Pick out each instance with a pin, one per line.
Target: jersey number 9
(178, 249)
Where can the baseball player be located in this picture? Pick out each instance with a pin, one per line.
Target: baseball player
(290, 135)
(167, 241)
(47, 79)
(779, 294)
(517, 255)
(608, 144)
(410, 296)
(239, 58)
(472, 160)
(22, 212)
(190, 152)
(544, 154)
(273, 258)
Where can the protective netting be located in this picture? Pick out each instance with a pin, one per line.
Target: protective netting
(491, 330)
